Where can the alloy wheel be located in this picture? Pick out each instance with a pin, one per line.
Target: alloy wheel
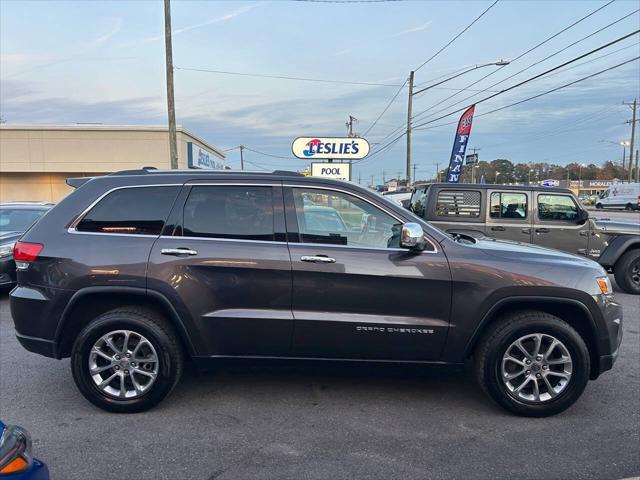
(123, 364)
(536, 367)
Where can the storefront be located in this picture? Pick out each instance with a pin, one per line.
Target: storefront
(35, 160)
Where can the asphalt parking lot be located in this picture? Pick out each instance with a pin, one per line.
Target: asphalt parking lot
(318, 421)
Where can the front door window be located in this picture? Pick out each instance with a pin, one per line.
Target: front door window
(337, 218)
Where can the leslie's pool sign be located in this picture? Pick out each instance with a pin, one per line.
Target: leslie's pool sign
(344, 148)
(337, 171)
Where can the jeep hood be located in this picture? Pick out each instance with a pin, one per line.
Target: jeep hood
(614, 227)
(515, 251)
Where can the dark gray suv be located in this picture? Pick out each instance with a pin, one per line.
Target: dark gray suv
(138, 271)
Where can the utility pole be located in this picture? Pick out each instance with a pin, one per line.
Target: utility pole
(171, 106)
(474, 165)
(349, 125)
(409, 113)
(633, 138)
(359, 178)
(384, 176)
(437, 172)
(241, 157)
(415, 165)
(372, 180)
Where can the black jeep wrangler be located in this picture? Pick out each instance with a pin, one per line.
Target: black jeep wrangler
(549, 217)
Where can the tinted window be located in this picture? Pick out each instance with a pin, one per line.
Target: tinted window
(418, 201)
(241, 212)
(458, 203)
(18, 219)
(338, 218)
(140, 210)
(508, 205)
(557, 207)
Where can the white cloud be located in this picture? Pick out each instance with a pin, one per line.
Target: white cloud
(419, 28)
(211, 21)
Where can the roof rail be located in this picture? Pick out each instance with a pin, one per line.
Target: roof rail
(153, 170)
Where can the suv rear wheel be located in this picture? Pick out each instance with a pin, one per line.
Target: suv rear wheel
(627, 272)
(533, 364)
(126, 360)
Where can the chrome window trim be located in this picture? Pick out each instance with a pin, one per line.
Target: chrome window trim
(348, 192)
(72, 227)
(219, 239)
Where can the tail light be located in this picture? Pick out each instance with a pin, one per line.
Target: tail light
(25, 252)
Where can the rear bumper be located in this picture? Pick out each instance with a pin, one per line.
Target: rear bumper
(38, 345)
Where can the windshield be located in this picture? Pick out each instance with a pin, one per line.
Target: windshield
(18, 219)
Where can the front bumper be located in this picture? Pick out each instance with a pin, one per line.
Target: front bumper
(611, 336)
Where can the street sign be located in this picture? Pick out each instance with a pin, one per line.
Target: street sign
(330, 148)
(471, 159)
(337, 171)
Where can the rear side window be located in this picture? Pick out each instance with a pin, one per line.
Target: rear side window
(458, 203)
(133, 211)
(226, 211)
(508, 205)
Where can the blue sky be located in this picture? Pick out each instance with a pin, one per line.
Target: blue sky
(68, 62)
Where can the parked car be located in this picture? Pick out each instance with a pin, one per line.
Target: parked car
(620, 195)
(15, 219)
(549, 217)
(16, 460)
(402, 198)
(135, 272)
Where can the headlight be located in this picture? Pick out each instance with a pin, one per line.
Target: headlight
(605, 285)
(6, 249)
(15, 450)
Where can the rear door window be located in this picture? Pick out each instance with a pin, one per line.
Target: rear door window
(508, 205)
(229, 211)
(131, 210)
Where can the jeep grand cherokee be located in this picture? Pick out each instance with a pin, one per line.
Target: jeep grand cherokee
(135, 272)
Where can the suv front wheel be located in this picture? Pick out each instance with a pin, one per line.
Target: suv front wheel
(126, 360)
(533, 364)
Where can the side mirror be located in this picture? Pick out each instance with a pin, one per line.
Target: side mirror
(412, 237)
(583, 216)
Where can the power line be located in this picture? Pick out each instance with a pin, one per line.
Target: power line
(493, 72)
(526, 52)
(543, 93)
(456, 37)
(535, 77)
(534, 64)
(385, 109)
(286, 77)
(268, 154)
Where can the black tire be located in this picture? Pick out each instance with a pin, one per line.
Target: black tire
(628, 207)
(494, 344)
(627, 272)
(598, 206)
(156, 330)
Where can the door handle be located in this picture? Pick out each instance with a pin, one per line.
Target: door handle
(526, 230)
(542, 230)
(498, 229)
(317, 259)
(178, 252)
